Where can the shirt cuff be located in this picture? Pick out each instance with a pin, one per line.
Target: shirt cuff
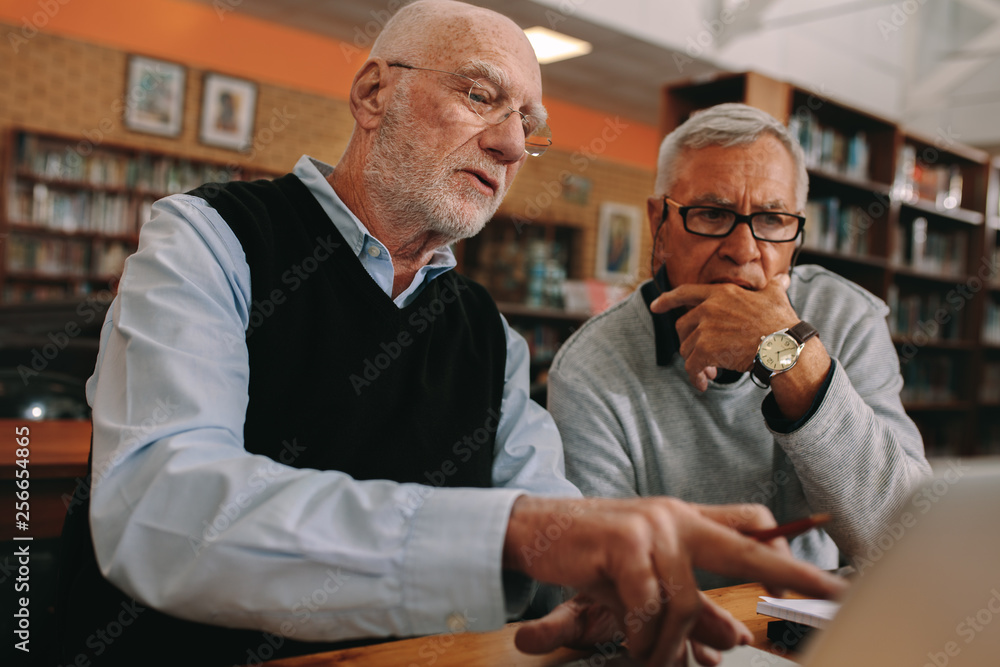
(778, 422)
(452, 574)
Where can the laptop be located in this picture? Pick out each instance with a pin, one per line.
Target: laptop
(928, 595)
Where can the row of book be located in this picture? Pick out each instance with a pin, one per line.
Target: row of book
(31, 292)
(81, 162)
(989, 439)
(929, 379)
(59, 257)
(48, 256)
(920, 246)
(834, 226)
(829, 148)
(923, 315)
(519, 269)
(921, 177)
(543, 341)
(78, 210)
(989, 389)
(991, 322)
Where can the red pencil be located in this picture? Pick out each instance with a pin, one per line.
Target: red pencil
(789, 529)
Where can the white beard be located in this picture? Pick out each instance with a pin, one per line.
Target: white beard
(418, 192)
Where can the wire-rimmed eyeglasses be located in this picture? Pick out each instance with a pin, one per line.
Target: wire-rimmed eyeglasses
(493, 104)
(715, 222)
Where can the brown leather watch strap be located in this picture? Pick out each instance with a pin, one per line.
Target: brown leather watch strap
(802, 332)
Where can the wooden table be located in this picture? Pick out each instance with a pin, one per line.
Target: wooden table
(488, 649)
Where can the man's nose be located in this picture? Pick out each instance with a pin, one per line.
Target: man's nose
(740, 246)
(505, 139)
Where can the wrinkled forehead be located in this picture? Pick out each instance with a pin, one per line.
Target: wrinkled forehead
(487, 46)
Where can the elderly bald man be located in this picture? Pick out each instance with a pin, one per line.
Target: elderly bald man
(308, 430)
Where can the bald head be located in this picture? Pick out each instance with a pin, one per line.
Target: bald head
(423, 166)
(446, 33)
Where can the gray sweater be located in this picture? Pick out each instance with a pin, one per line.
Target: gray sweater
(633, 428)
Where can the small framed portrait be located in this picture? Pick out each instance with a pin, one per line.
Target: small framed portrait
(228, 107)
(618, 232)
(154, 96)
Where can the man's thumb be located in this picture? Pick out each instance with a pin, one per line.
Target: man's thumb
(546, 634)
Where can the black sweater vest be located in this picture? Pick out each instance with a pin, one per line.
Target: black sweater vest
(340, 379)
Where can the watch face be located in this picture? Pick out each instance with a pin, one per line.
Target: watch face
(778, 352)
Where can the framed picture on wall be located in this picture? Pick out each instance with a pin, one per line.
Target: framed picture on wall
(618, 232)
(228, 106)
(154, 96)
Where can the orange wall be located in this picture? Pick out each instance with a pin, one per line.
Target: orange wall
(210, 37)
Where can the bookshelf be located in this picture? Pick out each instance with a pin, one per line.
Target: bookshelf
(913, 219)
(525, 268)
(988, 418)
(70, 212)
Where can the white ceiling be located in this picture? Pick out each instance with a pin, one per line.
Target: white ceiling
(932, 64)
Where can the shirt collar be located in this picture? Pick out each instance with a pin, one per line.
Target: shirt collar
(314, 174)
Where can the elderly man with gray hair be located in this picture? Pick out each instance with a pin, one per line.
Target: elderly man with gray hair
(730, 378)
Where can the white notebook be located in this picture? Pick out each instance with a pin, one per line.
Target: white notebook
(814, 613)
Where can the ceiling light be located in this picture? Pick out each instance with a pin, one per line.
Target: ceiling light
(551, 46)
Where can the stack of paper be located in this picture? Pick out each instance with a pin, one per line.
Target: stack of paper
(814, 613)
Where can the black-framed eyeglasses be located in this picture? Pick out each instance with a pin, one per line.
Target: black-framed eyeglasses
(715, 222)
(493, 104)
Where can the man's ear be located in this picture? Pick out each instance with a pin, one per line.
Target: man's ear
(654, 213)
(368, 93)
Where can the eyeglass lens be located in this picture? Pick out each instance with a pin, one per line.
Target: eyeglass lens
(493, 105)
(720, 222)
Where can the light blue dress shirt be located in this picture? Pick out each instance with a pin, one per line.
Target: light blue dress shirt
(187, 521)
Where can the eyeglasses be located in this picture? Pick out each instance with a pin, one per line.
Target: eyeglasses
(719, 222)
(493, 104)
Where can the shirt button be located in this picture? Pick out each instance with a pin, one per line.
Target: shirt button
(457, 622)
(374, 251)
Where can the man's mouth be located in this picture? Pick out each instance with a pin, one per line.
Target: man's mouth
(484, 179)
(735, 281)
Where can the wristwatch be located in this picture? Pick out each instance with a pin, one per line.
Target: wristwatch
(779, 351)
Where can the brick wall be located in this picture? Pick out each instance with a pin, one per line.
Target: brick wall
(60, 85)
